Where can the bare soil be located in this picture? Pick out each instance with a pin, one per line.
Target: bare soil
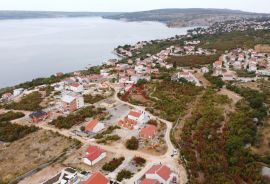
(30, 152)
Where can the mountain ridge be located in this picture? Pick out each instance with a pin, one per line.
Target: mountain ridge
(177, 17)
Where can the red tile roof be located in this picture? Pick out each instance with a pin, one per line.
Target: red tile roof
(135, 114)
(75, 85)
(218, 62)
(93, 152)
(148, 131)
(161, 170)
(149, 181)
(91, 125)
(96, 178)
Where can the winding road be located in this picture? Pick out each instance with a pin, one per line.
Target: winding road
(120, 150)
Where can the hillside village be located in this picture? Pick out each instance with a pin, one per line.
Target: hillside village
(121, 140)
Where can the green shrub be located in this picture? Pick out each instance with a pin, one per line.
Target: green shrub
(29, 102)
(132, 143)
(11, 115)
(11, 132)
(124, 174)
(113, 164)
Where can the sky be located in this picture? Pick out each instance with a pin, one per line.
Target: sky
(260, 6)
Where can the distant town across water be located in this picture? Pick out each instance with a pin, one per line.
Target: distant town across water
(34, 48)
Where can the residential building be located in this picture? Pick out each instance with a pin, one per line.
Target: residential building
(139, 117)
(68, 176)
(17, 92)
(76, 87)
(93, 155)
(160, 173)
(96, 178)
(148, 132)
(38, 116)
(71, 103)
(94, 126)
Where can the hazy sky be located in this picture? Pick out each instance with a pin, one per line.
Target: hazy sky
(262, 6)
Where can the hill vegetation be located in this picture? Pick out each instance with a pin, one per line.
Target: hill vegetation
(29, 102)
(186, 17)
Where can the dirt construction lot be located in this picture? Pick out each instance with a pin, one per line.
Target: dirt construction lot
(29, 152)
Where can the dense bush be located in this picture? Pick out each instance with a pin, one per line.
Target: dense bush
(173, 98)
(11, 132)
(29, 102)
(113, 164)
(214, 80)
(232, 40)
(216, 147)
(92, 70)
(192, 60)
(11, 115)
(139, 161)
(255, 98)
(107, 138)
(124, 174)
(132, 143)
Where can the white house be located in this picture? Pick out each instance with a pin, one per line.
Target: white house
(204, 70)
(104, 73)
(72, 102)
(140, 68)
(17, 92)
(139, 117)
(76, 87)
(189, 77)
(59, 87)
(227, 76)
(217, 64)
(93, 155)
(161, 174)
(94, 126)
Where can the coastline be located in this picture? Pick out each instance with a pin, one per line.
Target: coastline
(66, 59)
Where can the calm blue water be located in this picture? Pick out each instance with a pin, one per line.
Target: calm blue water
(41, 47)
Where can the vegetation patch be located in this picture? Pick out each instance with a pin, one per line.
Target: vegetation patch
(215, 144)
(11, 115)
(132, 143)
(11, 132)
(232, 40)
(217, 82)
(139, 161)
(29, 102)
(192, 60)
(124, 174)
(171, 99)
(92, 99)
(76, 118)
(113, 164)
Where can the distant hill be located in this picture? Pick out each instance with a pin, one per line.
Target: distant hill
(49, 14)
(186, 17)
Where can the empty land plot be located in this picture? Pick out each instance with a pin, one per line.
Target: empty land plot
(30, 152)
